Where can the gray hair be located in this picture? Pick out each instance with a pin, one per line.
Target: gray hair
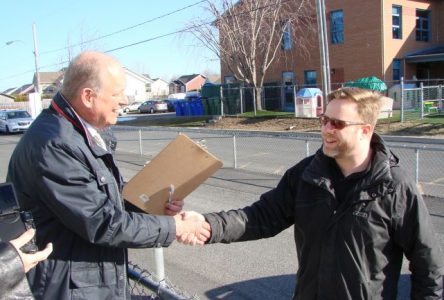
(83, 71)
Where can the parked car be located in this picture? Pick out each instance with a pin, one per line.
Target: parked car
(133, 107)
(171, 104)
(15, 120)
(152, 106)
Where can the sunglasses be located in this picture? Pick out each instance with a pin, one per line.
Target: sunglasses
(335, 123)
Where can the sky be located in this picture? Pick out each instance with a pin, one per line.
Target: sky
(64, 28)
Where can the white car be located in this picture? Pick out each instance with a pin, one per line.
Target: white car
(15, 120)
(133, 107)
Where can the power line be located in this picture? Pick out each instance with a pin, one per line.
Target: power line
(124, 29)
(146, 40)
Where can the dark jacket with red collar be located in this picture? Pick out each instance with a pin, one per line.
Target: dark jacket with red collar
(352, 249)
(73, 188)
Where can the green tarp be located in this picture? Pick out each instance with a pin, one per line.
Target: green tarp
(370, 83)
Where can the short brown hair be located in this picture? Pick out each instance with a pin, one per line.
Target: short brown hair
(368, 101)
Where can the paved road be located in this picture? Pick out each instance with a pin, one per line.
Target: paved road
(261, 269)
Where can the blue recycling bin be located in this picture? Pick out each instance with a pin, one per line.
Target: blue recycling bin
(199, 107)
(182, 108)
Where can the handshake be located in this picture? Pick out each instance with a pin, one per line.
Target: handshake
(191, 228)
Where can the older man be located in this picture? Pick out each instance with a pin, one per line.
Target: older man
(64, 171)
(355, 212)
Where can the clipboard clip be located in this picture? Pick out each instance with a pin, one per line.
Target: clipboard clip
(202, 144)
(170, 193)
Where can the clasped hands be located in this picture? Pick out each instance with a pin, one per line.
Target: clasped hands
(191, 227)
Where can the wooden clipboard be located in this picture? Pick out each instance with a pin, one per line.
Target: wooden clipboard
(182, 163)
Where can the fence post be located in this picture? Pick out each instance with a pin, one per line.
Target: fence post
(440, 97)
(254, 100)
(416, 165)
(234, 152)
(221, 101)
(241, 93)
(294, 99)
(402, 99)
(159, 263)
(421, 100)
(140, 143)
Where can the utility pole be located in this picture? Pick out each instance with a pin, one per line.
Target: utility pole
(323, 48)
(36, 59)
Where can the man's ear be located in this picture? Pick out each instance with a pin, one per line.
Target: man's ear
(367, 130)
(87, 97)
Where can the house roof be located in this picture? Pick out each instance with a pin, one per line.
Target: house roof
(138, 76)
(24, 89)
(51, 77)
(186, 78)
(432, 54)
(9, 91)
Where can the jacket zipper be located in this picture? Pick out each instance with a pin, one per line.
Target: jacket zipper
(119, 201)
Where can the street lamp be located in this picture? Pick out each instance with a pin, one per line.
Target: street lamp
(36, 56)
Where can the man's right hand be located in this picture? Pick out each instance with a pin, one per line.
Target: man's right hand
(191, 228)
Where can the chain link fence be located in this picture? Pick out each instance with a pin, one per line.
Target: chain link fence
(413, 99)
(275, 152)
(143, 286)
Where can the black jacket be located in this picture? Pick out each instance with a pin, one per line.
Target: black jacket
(352, 249)
(13, 282)
(72, 186)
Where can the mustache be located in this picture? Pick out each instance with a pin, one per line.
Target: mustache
(327, 135)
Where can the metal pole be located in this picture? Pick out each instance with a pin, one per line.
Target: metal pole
(416, 165)
(36, 59)
(234, 152)
(140, 143)
(421, 99)
(402, 99)
(241, 92)
(221, 101)
(307, 148)
(323, 47)
(159, 262)
(294, 100)
(254, 100)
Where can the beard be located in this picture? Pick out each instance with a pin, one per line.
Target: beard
(338, 150)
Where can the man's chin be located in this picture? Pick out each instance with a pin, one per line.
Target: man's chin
(329, 152)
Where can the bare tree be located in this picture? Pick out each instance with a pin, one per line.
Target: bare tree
(246, 35)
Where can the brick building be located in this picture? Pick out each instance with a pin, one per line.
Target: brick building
(387, 39)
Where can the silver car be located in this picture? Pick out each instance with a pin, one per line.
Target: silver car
(14, 120)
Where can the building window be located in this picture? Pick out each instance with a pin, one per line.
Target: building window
(310, 77)
(286, 36)
(397, 22)
(422, 25)
(148, 87)
(337, 27)
(396, 69)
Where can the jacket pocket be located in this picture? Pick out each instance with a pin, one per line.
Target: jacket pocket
(93, 274)
(107, 183)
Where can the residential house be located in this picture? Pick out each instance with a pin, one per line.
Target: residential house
(6, 99)
(159, 88)
(137, 86)
(187, 83)
(388, 39)
(50, 82)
